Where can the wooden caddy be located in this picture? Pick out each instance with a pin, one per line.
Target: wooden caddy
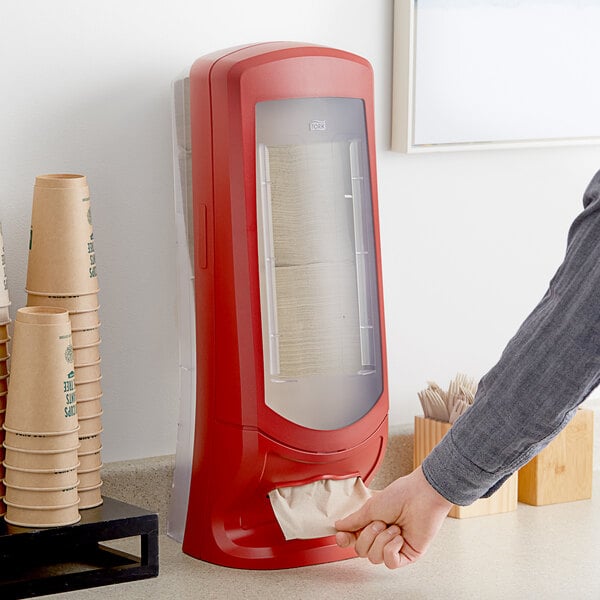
(562, 472)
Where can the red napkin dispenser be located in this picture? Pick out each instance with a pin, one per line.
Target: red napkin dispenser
(290, 344)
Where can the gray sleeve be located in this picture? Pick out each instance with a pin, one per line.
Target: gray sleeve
(547, 369)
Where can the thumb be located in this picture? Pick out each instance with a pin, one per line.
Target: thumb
(356, 520)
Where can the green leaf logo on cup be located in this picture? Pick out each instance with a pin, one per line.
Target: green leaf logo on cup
(69, 354)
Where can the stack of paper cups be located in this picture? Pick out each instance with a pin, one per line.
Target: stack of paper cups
(61, 272)
(41, 425)
(4, 356)
(3, 394)
(2, 414)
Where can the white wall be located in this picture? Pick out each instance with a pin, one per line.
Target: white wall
(469, 239)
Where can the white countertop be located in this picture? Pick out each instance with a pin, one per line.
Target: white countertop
(550, 552)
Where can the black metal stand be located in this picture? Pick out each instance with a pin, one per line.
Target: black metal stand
(34, 562)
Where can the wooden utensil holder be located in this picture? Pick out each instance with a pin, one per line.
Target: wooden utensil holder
(562, 472)
(428, 433)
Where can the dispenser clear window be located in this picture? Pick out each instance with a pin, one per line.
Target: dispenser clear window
(317, 261)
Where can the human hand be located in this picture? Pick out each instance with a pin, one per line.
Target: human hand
(396, 525)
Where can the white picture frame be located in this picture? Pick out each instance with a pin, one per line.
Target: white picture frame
(440, 109)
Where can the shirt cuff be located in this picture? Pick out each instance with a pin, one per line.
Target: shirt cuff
(455, 477)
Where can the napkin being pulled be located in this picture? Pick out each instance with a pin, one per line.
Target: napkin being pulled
(310, 510)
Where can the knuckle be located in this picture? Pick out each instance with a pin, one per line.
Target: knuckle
(391, 553)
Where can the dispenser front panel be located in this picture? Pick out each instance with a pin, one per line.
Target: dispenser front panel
(317, 261)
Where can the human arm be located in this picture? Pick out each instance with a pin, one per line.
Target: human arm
(547, 369)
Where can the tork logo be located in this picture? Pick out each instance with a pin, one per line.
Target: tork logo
(316, 125)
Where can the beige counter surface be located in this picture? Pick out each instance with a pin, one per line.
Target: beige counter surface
(550, 552)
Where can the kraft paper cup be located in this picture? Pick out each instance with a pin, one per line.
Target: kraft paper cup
(88, 389)
(52, 496)
(90, 443)
(2, 506)
(70, 303)
(4, 383)
(90, 497)
(90, 425)
(89, 407)
(42, 379)
(62, 260)
(4, 370)
(89, 461)
(82, 398)
(84, 338)
(4, 354)
(86, 354)
(41, 459)
(41, 478)
(4, 326)
(3, 396)
(28, 440)
(89, 478)
(42, 516)
(88, 372)
(85, 319)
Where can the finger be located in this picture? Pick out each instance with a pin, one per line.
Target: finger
(367, 536)
(392, 553)
(354, 521)
(345, 539)
(375, 554)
